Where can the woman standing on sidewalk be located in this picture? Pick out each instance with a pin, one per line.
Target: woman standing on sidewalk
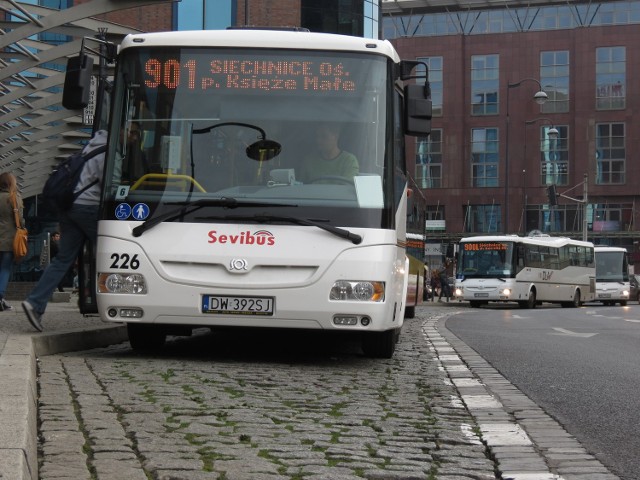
(8, 197)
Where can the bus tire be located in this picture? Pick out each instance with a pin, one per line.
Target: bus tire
(380, 344)
(623, 303)
(575, 303)
(146, 338)
(530, 302)
(410, 312)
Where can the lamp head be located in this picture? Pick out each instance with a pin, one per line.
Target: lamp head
(553, 132)
(540, 97)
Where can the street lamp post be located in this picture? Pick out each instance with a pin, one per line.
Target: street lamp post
(540, 97)
(552, 133)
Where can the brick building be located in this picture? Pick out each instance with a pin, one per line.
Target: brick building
(492, 156)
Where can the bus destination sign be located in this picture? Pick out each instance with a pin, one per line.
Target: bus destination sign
(484, 246)
(206, 74)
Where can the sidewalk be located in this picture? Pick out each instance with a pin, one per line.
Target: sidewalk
(65, 329)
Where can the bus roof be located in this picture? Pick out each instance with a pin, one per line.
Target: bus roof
(533, 240)
(602, 248)
(256, 38)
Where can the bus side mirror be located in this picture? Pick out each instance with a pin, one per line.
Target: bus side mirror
(417, 111)
(77, 82)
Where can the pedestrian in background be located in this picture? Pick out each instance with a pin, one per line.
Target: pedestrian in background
(53, 251)
(77, 225)
(9, 196)
(434, 285)
(444, 285)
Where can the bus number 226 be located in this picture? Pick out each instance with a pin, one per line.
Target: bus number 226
(125, 261)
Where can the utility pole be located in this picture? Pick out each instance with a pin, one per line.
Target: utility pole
(552, 193)
(584, 207)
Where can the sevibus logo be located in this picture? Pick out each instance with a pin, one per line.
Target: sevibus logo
(260, 237)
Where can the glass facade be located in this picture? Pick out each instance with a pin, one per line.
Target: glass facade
(509, 20)
(347, 17)
(204, 14)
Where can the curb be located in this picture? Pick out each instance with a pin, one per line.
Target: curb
(18, 378)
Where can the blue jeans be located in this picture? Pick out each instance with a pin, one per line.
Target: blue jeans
(6, 264)
(77, 225)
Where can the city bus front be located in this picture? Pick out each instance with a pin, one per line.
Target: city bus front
(486, 270)
(254, 186)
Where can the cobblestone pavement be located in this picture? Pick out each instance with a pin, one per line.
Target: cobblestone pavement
(258, 406)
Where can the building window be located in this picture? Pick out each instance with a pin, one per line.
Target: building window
(607, 218)
(484, 157)
(429, 160)
(554, 77)
(554, 156)
(482, 219)
(435, 80)
(435, 219)
(347, 17)
(610, 78)
(484, 84)
(610, 153)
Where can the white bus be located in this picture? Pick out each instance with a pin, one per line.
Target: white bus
(215, 218)
(612, 275)
(526, 270)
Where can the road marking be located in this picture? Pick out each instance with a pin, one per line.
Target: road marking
(629, 320)
(569, 333)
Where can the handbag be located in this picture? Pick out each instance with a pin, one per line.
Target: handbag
(20, 247)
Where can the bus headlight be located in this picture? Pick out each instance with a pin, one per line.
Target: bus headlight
(121, 283)
(506, 292)
(458, 292)
(362, 291)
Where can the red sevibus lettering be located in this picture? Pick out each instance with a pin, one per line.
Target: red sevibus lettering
(262, 237)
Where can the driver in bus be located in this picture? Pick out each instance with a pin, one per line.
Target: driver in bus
(328, 159)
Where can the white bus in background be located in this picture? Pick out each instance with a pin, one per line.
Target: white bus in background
(526, 270)
(612, 275)
(220, 222)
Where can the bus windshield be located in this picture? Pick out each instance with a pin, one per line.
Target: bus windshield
(302, 131)
(486, 260)
(611, 267)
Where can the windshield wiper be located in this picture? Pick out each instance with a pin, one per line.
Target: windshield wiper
(192, 206)
(307, 222)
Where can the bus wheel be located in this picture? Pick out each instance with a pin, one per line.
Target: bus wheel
(410, 312)
(623, 303)
(575, 303)
(145, 337)
(380, 344)
(529, 302)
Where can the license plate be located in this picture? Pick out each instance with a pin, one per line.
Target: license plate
(604, 295)
(231, 305)
(480, 294)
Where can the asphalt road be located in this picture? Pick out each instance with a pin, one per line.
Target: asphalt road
(579, 365)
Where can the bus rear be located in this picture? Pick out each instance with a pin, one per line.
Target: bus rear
(214, 215)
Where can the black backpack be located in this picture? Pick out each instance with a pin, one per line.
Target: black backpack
(60, 185)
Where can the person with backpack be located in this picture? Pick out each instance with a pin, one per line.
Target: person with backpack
(78, 223)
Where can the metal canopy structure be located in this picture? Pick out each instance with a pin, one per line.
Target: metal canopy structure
(36, 132)
(434, 6)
